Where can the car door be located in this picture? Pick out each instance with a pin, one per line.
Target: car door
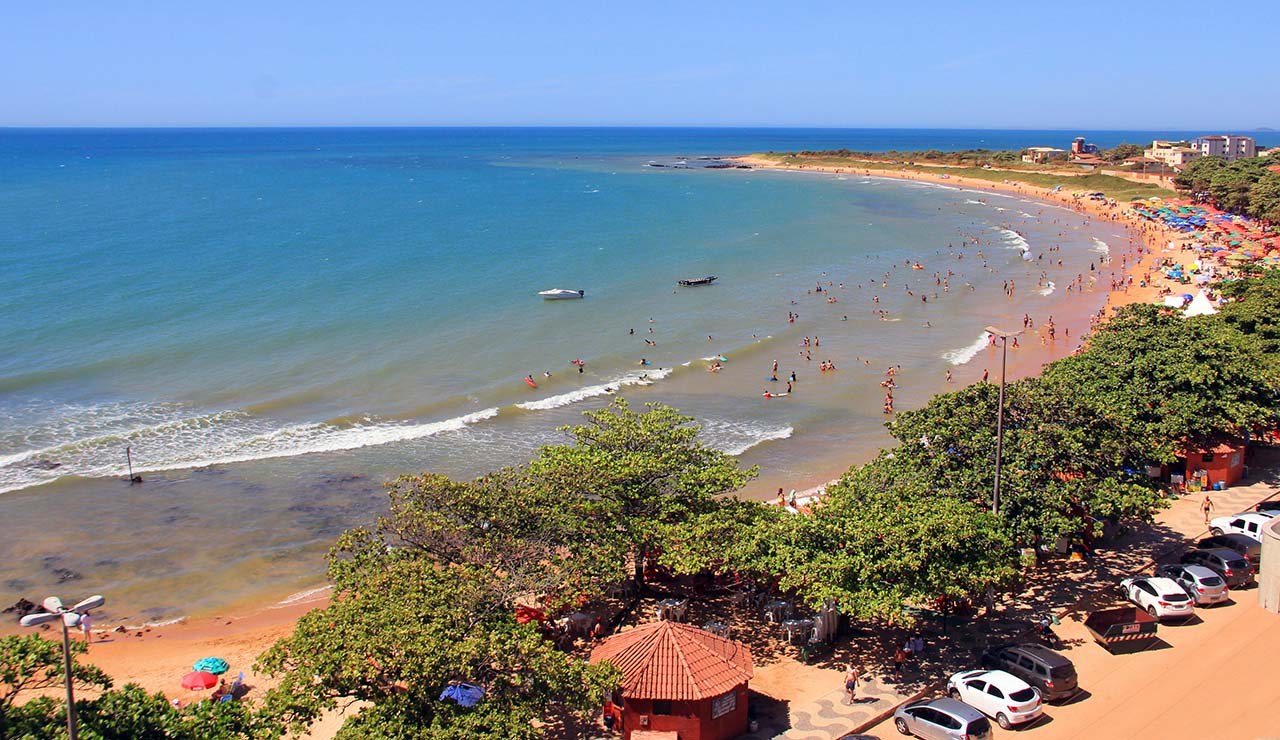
(1029, 672)
(995, 700)
(1009, 661)
(1179, 575)
(975, 694)
(1143, 593)
(928, 723)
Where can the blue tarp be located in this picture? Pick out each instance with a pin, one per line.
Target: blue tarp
(464, 694)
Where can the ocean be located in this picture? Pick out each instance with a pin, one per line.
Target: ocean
(275, 322)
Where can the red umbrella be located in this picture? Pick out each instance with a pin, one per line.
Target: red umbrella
(199, 680)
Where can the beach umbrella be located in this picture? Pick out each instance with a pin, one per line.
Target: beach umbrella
(199, 680)
(216, 666)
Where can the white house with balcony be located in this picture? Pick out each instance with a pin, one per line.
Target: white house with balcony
(1229, 148)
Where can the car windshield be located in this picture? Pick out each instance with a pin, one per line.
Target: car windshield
(1211, 581)
(979, 726)
(1023, 695)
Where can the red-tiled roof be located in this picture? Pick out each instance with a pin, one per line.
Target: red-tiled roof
(669, 660)
(655, 735)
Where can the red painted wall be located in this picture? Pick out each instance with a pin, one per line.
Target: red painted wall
(692, 720)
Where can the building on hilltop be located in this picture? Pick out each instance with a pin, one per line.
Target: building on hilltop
(1172, 153)
(1229, 148)
(1042, 154)
(678, 681)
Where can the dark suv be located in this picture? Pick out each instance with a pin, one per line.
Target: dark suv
(1247, 546)
(1229, 564)
(1052, 674)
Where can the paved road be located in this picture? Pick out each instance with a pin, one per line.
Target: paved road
(1217, 676)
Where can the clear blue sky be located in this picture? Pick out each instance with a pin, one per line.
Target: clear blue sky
(990, 63)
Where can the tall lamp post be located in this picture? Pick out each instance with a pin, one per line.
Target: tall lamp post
(69, 617)
(1004, 358)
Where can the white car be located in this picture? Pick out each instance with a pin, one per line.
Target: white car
(1248, 523)
(1163, 598)
(1002, 696)
(1203, 585)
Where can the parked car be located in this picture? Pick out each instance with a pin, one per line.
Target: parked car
(1268, 506)
(1161, 597)
(1247, 523)
(941, 719)
(1205, 587)
(1002, 696)
(1053, 675)
(1229, 564)
(1250, 548)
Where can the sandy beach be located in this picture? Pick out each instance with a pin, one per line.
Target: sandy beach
(156, 658)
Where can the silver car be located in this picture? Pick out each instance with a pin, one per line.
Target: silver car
(941, 719)
(1203, 585)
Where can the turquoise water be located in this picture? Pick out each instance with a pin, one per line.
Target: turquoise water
(276, 321)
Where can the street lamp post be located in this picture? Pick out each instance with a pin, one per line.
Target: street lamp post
(1004, 357)
(68, 617)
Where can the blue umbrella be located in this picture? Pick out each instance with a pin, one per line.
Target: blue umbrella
(216, 666)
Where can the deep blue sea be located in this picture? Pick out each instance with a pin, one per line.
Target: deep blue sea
(275, 321)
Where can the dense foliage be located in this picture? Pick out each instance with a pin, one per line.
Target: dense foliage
(1246, 186)
(31, 664)
(967, 157)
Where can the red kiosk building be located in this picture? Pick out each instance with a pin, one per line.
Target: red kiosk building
(679, 682)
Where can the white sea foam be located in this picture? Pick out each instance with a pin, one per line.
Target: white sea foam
(1100, 246)
(1024, 214)
(974, 202)
(1048, 288)
(581, 394)
(964, 354)
(310, 594)
(1014, 240)
(193, 441)
(737, 436)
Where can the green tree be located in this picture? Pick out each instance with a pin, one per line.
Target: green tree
(637, 475)
(1264, 198)
(30, 664)
(1122, 152)
(1196, 175)
(1063, 465)
(1162, 380)
(400, 628)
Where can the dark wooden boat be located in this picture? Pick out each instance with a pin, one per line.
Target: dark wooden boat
(697, 281)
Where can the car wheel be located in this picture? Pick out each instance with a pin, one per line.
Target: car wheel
(1152, 611)
(901, 724)
(1215, 532)
(1003, 721)
(954, 694)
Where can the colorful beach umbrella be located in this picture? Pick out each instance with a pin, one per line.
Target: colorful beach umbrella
(216, 666)
(199, 680)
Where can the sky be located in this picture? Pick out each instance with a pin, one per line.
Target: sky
(924, 64)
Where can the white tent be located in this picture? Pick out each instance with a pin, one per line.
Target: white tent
(1200, 306)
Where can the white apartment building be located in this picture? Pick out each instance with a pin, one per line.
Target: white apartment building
(1228, 147)
(1172, 153)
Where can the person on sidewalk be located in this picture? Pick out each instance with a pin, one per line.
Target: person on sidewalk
(1206, 506)
(851, 682)
(899, 656)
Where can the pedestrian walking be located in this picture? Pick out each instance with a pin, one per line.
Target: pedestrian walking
(899, 656)
(851, 682)
(1206, 506)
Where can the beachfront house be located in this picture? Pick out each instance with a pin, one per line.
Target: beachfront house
(1080, 147)
(1229, 148)
(1172, 153)
(678, 683)
(1042, 154)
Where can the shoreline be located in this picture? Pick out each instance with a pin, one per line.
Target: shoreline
(1153, 239)
(149, 656)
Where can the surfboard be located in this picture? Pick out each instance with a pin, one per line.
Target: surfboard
(529, 382)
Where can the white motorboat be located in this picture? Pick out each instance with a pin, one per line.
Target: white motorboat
(559, 294)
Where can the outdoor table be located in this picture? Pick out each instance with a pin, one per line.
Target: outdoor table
(580, 623)
(673, 609)
(717, 628)
(793, 626)
(777, 610)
